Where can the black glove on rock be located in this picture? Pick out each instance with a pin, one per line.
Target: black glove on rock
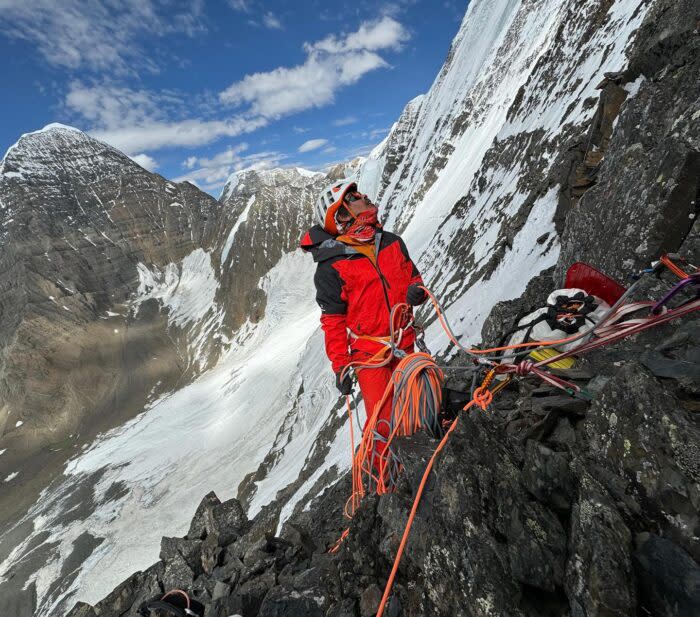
(415, 295)
(345, 386)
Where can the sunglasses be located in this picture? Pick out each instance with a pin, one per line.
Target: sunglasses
(350, 197)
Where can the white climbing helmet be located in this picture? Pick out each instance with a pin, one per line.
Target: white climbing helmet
(328, 202)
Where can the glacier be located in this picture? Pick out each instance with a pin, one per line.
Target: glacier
(451, 177)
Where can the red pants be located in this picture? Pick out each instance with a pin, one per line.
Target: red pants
(373, 382)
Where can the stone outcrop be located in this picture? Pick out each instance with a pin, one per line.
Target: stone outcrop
(545, 505)
(648, 188)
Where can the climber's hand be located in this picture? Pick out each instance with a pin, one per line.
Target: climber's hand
(415, 295)
(345, 386)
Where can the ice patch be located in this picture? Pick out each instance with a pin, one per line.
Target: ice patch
(188, 293)
(11, 477)
(232, 234)
(633, 87)
(188, 290)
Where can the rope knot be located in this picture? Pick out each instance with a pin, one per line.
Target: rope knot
(482, 397)
(524, 368)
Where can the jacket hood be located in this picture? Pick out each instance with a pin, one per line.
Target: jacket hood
(323, 245)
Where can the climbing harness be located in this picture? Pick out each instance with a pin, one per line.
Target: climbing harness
(416, 384)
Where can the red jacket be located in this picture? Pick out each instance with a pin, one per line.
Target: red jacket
(354, 294)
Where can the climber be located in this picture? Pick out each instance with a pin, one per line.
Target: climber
(362, 272)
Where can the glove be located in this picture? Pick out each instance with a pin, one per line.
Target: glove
(415, 295)
(345, 386)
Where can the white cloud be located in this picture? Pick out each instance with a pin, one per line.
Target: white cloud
(312, 144)
(110, 105)
(386, 33)
(331, 64)
(345, 121)
(147, 162)
(211, 173)
(226, 157)
(329, 149)
(97, 35)
(138, 120)
(240, 5)
(155, 135)
(270, 20)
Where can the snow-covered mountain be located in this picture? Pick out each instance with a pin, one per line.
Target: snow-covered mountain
(76, 217)
(478, 175)
(475, 173)
(119, 289)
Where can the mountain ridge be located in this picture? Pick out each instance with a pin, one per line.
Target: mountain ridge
(479, 237)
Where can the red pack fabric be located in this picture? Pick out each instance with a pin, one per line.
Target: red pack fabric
(582, 276)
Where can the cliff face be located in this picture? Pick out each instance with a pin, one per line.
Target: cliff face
(484, 166)
(271, 210)
(77, 217)
(126, 294)
(523, 156)
(545, 504)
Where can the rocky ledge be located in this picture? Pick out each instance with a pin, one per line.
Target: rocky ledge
(544, 505)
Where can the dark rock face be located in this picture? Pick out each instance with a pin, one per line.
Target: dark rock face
(638, 430)
(198, 527)
(651, 170)
(599, 578)
(76, 216)
(669, 580)
(251, 247)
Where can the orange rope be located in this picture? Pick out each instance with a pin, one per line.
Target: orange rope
(679, 272)
(492, 349)
(404, 423)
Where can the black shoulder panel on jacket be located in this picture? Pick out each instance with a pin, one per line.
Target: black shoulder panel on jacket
(329, 287)
(388, 239)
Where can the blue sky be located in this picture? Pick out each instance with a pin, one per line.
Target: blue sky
(195, 90)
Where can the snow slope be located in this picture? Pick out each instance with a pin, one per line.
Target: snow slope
(205, 436)
(514, 92)
(471, 175)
